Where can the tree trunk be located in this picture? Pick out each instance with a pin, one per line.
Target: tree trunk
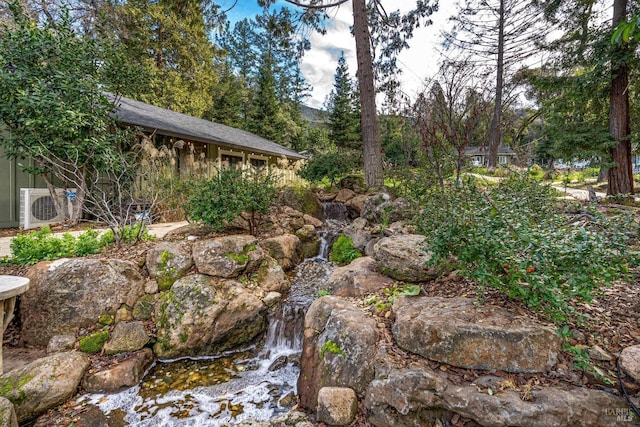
(495, 135)
(621, 174)
(372, 150)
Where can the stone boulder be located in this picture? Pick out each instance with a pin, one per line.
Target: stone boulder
(357, 204)
(271, 276)
(126, 337)
(68, 294)
(197, 230)
(227, 256)
(357, 279)
(286, 419)
(458, 332)
(309, 240)
(338, 349)
(382, 209)
(202, 317)
(44, 383)
(286, 249)
(344, 195)
(418, 396)
(7, 413)
(630, 362)
(337, 406)
(302, 200)
(358, 233)
(125, 373)
(168, 261)
(61, 343)
(405, 257)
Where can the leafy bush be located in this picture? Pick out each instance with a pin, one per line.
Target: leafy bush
(232, 194)
(343, 251)
(536, 172)
(511, 238)
(330, 165)
(127, 234)
(28, 249)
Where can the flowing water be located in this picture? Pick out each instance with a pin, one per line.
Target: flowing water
(252, 384)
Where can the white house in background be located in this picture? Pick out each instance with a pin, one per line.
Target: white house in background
(479, 155)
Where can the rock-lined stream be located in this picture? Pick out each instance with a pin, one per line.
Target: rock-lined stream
(257, 383)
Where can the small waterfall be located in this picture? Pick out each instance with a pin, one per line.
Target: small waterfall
(335, 211)
(285, 333)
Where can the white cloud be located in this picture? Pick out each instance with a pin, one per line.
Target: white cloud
(417, 62)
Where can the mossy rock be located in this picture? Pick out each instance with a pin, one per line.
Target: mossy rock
(144, 308)
(93, 343)
(105, 319)
(303, 200)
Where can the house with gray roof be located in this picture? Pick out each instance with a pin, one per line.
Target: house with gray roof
(194, 140)
(479, 155)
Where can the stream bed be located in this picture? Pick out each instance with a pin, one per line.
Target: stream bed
(254, 384)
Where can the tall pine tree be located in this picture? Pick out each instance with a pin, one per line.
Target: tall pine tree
(344, 114)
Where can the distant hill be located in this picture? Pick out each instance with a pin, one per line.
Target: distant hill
(313, 115)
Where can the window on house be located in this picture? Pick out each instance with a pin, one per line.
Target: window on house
(258, 162)
(231, 160)
(502, 160)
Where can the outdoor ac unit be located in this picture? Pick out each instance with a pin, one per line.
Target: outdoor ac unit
(37, 207)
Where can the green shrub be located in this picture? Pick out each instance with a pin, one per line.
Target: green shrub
(536, 172)
(329, 166)
(93, 343)
(39, 245)
(232, 194)
(511, 238)
(127, 234)
(343, 251)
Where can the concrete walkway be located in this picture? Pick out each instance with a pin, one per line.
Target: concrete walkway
(158, 230)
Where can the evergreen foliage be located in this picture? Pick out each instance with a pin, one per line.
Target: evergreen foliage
(232, 194)
(344, 112)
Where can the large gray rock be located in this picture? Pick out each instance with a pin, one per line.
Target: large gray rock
(271, 276)
(358, 233)
(61, 343)
(287, 419)
(227, 256)
(405, 257)
(357, 279)
(125, 373)
(630, 362)
(338, 349)
(337, 406)
(381, 209)
(286, 249)
(7, 413)
(302, 200)
(68, 294)
(202, 317)
(168, 261)
(458, 332)
(126, 336)
(309, 240)
(417, 396)
(44, 383)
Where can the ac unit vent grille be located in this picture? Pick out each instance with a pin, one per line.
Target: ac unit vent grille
(43, 209)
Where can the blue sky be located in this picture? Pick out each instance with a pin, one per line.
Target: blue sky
(320, 62)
